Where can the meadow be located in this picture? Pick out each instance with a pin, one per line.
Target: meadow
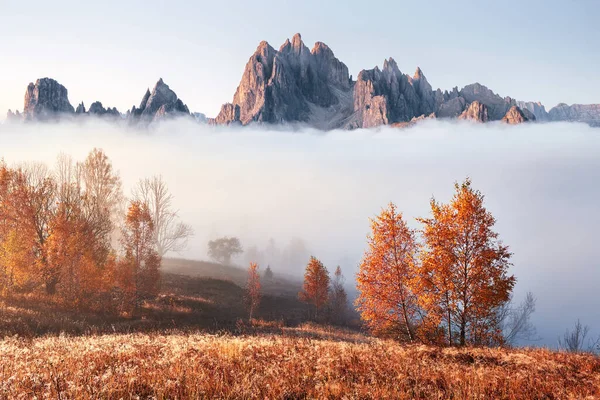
(302, 362)
(195, 342)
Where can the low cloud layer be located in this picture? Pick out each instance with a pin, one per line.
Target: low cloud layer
(541, 181)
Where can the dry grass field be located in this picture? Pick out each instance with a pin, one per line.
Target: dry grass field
(194, 342)
(294, 363)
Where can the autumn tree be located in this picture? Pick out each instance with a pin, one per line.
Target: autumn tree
(464, 269)
(141, 262)
(315, 290)
(222, 249)
(387, 275)
(18, 256)
(338, 298)
(253, 289)
(70, 253)
(102, 199)
(33, 203)
(170, 234)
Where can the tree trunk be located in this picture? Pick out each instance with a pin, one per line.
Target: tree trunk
(407, 323)
(449, 328)
(463, 328)
(51, 285)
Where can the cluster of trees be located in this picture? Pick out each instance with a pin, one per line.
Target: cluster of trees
(450, 285)
(71, 233)
(324, 293)
(327, 297)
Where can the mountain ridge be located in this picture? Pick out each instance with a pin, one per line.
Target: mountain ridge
(313, 87)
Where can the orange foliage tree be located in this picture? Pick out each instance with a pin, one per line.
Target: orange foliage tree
(315, 290)
(387, 275)
(27, 203)
(464, 268)
(253, 289)
(140, 276)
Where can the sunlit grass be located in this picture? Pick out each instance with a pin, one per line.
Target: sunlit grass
(292, 365)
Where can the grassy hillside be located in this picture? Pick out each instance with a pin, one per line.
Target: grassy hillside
(281, 285)
(303, 362)
(194, 295)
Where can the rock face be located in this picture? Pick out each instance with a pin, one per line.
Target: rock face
(535, 108)
(588, 113)
(496, 105)
(388, 96)
(98, 110)
(159, 104)
(452, 107)
(293, 84)
(46, 99)
(230, 114)
(475, 112)
(516, 116)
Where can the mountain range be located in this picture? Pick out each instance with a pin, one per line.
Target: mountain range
(298, 85)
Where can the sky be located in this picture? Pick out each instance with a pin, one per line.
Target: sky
(536, 50)
(539, 182)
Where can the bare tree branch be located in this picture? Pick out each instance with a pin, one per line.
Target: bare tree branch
(170, 234)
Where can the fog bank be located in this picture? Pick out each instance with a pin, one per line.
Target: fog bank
(541, 182)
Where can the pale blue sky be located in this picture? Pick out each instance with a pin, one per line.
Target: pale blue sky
(113, 50)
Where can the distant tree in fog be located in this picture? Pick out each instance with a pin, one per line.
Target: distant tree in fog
(573, 341)
(253, 289)
(222, 249)
(253, 254)
(295, 253)
(338, 299)
(170, 234)
(268, 273)
(515, 322)
(272, 253)
(315, 290)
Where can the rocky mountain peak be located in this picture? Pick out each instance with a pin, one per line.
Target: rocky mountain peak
(285, 85)
(298, 44)
(80, 109)
(145, 99)
(536, 108)
(497, 106)
(588, 113)
(46, 99)
(155, 105)
(515, 116)
(476, 111)
(418, 74)
(390, 65)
